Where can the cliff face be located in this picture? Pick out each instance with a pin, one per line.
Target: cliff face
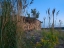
(27, 23)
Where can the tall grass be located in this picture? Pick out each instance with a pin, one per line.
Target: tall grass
(7, 27)
(10, 35)
(13, 36)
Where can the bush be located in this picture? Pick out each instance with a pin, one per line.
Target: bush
(48, 40)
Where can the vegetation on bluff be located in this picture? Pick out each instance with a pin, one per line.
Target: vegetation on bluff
(13, 36)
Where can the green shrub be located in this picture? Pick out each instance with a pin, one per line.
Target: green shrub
(49, 40)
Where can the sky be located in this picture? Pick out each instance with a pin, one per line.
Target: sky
(43, 5)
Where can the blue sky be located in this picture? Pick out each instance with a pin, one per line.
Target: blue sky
(43, 5)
